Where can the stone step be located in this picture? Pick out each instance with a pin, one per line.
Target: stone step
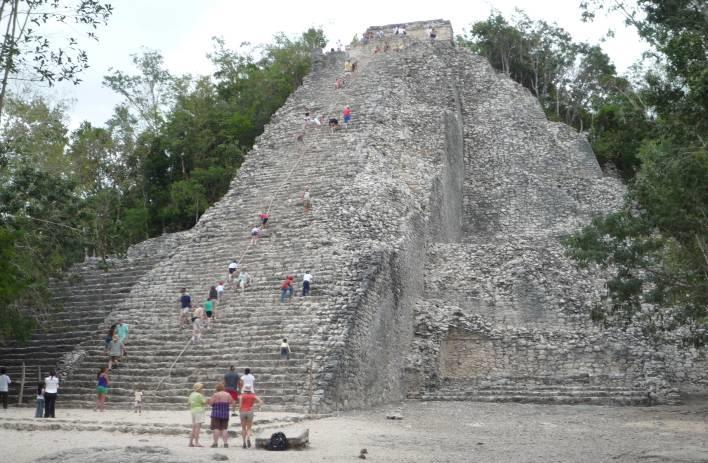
(632, 400)
(136, 426)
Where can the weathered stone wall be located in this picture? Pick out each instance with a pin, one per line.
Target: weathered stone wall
(454, 344)
(527, 182)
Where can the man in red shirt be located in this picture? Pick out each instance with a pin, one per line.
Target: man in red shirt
(286, 288)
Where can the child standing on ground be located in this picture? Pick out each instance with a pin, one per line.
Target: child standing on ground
(138, 405)
(39, 411)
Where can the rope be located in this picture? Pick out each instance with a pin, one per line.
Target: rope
(245, 251)
(172, 366)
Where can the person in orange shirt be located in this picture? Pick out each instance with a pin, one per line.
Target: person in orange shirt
(246, 402)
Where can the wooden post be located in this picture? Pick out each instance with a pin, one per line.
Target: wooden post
(309, 407)
(22, 385)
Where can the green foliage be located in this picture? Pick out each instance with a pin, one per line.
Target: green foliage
(39, 216)
(657, 246)
(31, 47)
(33, 133)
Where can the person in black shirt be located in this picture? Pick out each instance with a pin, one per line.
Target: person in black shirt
(231, 380)
(185, 301)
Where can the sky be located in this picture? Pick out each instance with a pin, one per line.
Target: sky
(182, 31)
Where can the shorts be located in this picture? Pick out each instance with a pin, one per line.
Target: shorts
(197, 417)
(208, 314)
(115, 358)
(347, 119)
(246, 416)
(233, 393)
(264, 220)
(254, 233)
(102, 390)
(232, 270)
(185, 310)
(138, 404)
(219, 424)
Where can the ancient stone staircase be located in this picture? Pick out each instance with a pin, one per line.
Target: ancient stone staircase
(79, 304)
(250, 325)
(433, 236)
(526, 390)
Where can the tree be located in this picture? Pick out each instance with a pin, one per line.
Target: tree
(656, 246)
(31, 49)
(33, 133)
(40, 216)
(152, 92)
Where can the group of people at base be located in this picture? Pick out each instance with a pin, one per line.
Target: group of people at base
(226, 396)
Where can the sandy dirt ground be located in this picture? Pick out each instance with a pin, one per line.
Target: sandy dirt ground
(427, 432)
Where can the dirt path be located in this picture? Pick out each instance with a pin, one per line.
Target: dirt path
(429, 432)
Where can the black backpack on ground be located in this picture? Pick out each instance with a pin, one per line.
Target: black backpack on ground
(278, 441)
